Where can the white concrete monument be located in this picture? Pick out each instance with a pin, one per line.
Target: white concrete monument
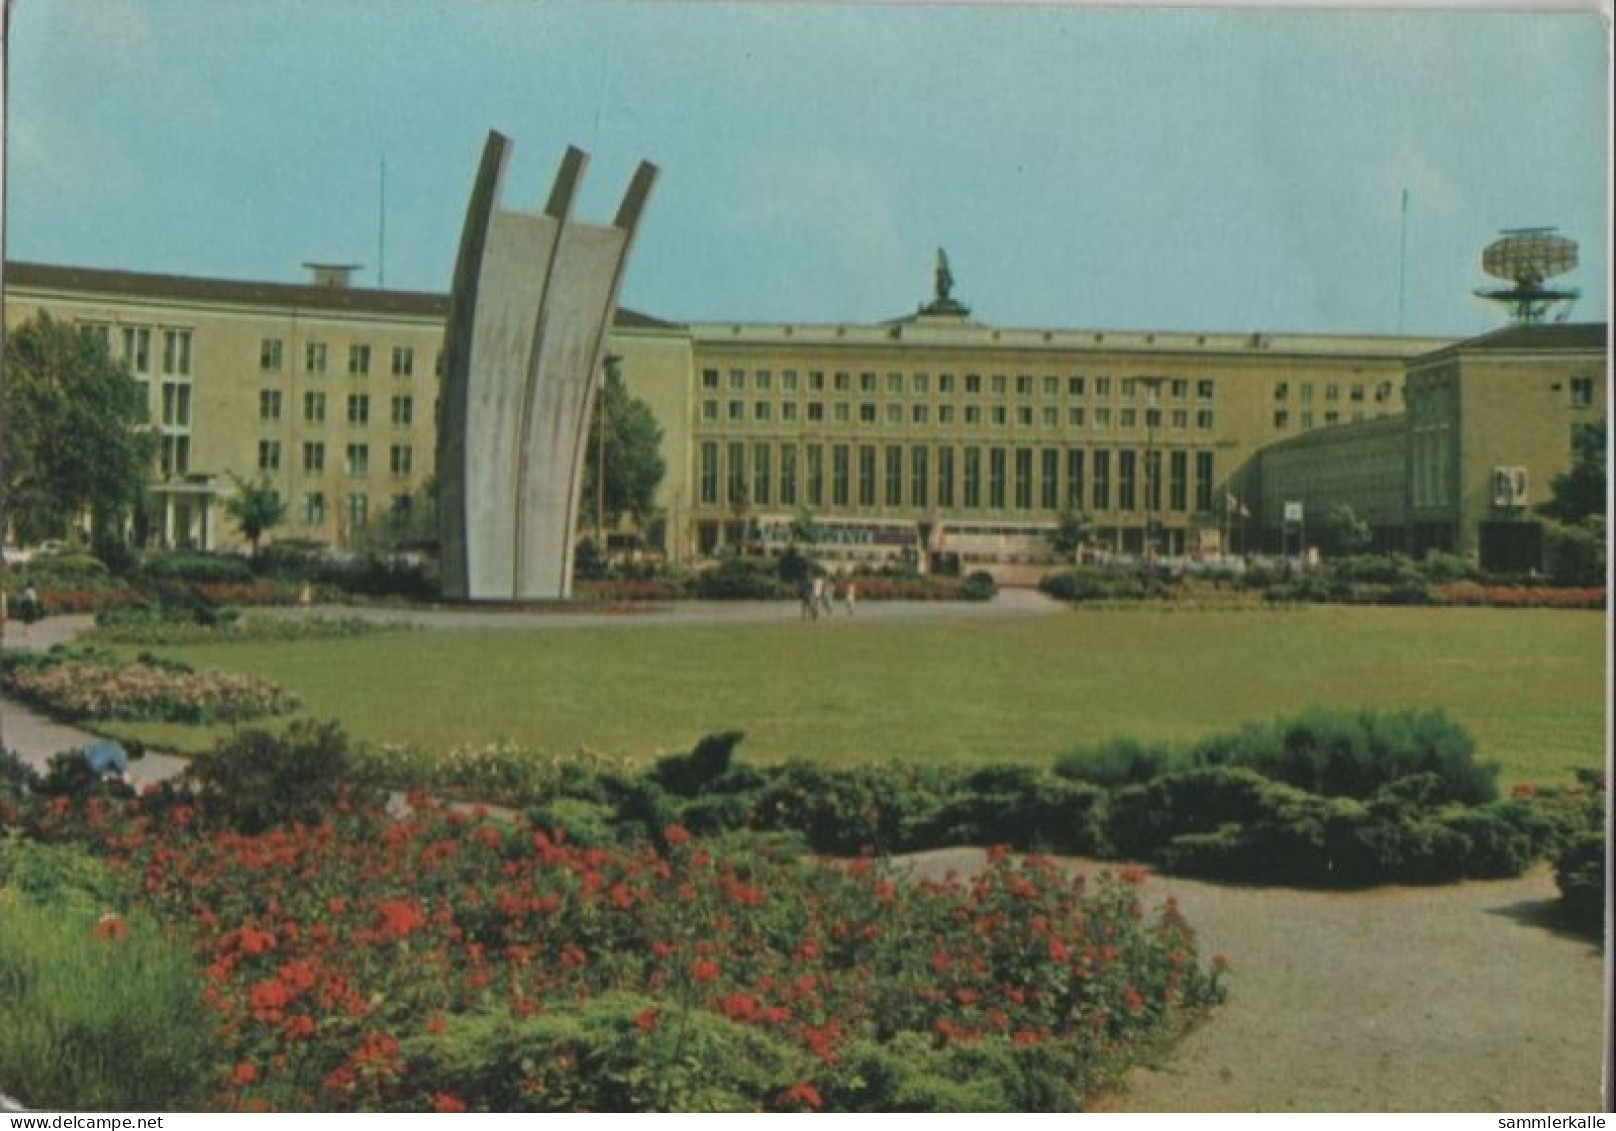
(534, 294)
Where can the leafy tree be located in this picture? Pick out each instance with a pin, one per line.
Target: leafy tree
(1579, 494)
(409, 522)
(634, 463)
(75, 434)
(1343, 533)
(804, 527)
(1075, 529)
(256, 508)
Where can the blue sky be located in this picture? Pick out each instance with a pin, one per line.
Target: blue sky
(1195, 169)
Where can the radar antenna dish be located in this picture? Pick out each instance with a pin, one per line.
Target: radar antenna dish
(1526, 258)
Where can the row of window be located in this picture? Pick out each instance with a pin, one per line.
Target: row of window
(920, 384)
(1306, 419)
(356, 509)
(737, 474)
(1332, 392)
(893, 415)
(271, 358)
(136, 347)
(270, 402)
(356, 460)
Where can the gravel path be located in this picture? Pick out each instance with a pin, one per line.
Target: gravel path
(35, 738)
(1464, 997)
(680, 614)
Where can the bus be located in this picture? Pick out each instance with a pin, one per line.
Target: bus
(852, 542)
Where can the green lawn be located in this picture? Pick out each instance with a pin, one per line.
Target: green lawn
(1528, 684)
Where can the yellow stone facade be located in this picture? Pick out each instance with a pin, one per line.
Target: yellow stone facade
(942, 420)
(1491, 422)
(931, 420)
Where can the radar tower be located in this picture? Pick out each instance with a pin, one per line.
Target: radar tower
(1526, 258)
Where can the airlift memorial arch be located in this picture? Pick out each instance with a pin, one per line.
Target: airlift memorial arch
(532, 298)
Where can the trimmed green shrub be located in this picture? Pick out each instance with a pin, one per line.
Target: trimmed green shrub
(862, 808)
(1089, 584)
(195, 568)
(690, 1060)
(1017, 805)
(255, 780)
(1440, 569)
(58, 570)
(376, 575)
(911, 1074)
(1579, 866)
(67, 774)
(1141, 818)
(741, 579)
(688, 774)
(1118, 761)
(17, 780)
(1503, 839)
(1579, 871)
(576, 822)
(1355, 753)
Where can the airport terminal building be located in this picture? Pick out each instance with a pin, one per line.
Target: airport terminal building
(928, 432)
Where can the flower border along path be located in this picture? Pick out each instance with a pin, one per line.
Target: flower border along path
(1463, 997)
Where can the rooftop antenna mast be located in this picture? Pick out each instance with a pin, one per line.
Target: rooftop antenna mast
(1402, 264)
(381, 232)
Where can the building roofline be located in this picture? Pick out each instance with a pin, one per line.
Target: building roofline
(963, 334)
(1556, 336)
(234, 292)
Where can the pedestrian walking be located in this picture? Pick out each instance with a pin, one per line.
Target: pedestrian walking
(805, 593)
(850, 596)
(816, 598)
(28, 607)
(827, 595)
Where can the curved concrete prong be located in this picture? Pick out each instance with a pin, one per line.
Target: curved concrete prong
(639, 190)
(457, 346)
(567, 179)
(533, 300)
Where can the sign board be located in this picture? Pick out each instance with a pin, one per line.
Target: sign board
(1293, 512)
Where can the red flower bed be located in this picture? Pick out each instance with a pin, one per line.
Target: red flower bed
(1469, 593)
(335, 954)
(85, 598)
(619, 591)
(249, 592)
